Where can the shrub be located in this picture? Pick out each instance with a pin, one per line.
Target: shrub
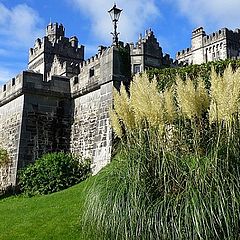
(167, 77)
(53, 172)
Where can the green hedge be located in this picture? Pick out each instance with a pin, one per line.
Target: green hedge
(166, 77)
(53, 172)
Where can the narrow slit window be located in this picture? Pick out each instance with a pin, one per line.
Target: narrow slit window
(13, 81)
(75, 80)
(91, 72)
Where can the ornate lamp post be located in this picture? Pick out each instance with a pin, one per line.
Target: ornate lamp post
(115, 14)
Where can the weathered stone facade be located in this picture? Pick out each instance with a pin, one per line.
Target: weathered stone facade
(62, 102)
(147, 53)
(222, 44)
(56, 54)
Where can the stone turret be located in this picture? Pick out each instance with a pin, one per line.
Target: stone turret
(55, 45)
(74, 41)
(146, 53)
(197, 43)
(54, 31)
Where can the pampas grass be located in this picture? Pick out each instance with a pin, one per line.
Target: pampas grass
(225, 92)
(192, 101)
(178, 174)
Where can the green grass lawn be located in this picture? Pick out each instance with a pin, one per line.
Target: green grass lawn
(55, 216)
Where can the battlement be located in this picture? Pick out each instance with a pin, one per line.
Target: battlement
(215, 36)
(63, 46)
(184, 52)
(40, 46)
(102, 68)
(55, 42)
(220, 35)
(31, 82)
(90, 72)
(149, 35)
(54, 31)
(198, 31)
(90, 61)
(11, 88)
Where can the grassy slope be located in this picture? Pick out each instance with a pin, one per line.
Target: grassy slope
(55, 216)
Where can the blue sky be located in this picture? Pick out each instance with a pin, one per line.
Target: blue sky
(172, 21)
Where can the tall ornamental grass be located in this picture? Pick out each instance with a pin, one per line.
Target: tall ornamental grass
(177, 175)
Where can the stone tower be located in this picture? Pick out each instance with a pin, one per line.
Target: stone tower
(197, 44)
(147, 53)
(56, 54)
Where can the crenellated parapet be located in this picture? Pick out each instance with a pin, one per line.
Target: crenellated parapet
(31, 82)
(184, 53)
(108, 65)
(215, 36)
(90, 72)
(146, 53)
(63, 46)
(42, 55)
(143, 41)
(11, 89)
(221, 44)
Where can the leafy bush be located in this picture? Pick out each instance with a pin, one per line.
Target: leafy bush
(177, 175)
(53, 172)
(166, 77)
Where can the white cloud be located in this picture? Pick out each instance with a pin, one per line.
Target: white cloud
(211, 13)
(19, 25)
(136, 16)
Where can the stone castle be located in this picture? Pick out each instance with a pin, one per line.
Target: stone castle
(222, 44)
(61, 102)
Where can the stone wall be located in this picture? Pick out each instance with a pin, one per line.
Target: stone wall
(61, 114)
(35, 118)
(45, 127)
(92, 98)
(10, 132)
(91, 131)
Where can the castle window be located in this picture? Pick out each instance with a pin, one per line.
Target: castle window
(136, 68)
(75, 80)
(91, 72)
(4, 87)
(13, 81)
